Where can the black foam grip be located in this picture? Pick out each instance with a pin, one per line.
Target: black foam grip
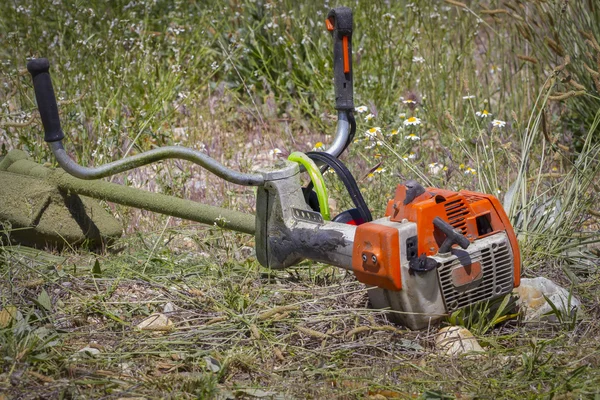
(342, 26)
(46, 100)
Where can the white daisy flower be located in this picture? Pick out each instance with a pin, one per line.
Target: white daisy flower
(402, 115)
(318, 146)
(372, 132)
(379, 170)
(408, 101)
(498, 123)
(471, 171)
(412, 121)
(369, 117)
(494, 69)
(275, 151)
(361, 109)
(436, 168)
(469, 97)
(412, 136)
(418, 59)
(483, 114)
(410, 156)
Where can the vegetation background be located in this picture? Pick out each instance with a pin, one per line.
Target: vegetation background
(495, 96)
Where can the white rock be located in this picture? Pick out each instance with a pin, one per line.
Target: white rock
(531, 298)
(169, 308)
(89, 351)
(456, 340)
(156, 322)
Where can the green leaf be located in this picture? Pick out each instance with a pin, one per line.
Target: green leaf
(44, 301)
(96, 270)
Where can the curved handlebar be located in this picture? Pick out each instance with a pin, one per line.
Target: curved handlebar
(339, 21)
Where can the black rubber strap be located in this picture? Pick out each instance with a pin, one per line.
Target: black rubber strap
(46, 100)
(347, 179)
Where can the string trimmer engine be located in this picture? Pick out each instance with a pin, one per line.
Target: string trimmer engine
(436, 251)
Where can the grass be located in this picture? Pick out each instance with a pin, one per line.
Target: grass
(239, 79)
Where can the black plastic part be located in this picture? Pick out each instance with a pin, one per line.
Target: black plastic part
(452, 236)
(46, 100)
(311, 198)
(413, 190)
(422, 264)
(341, 17)
(347, 179)
(352, 216)
(411, 247)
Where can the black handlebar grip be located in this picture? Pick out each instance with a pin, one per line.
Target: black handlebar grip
(452, 236)
(46, 100)
(339, 22)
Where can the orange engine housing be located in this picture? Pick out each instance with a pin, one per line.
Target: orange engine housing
(475, 215)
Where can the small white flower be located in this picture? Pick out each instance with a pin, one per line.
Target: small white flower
(471, 171)
(402, 115)
(412, 136)
(469, 97)
(412, 121)
(408, 101)
(372, 132)
(318, 146)
(494, 69)
(410, 156)
(361, 109)
(379, 170)
(418, 59)
(498, 123)
(369, 117)
(483, 114)
(274, 151)
(436, 168)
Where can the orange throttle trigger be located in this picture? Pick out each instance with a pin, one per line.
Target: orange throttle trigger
(346, 49)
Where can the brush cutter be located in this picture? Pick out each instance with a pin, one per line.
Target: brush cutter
(434, 251)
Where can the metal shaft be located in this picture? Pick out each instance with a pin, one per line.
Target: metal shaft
(156, 202)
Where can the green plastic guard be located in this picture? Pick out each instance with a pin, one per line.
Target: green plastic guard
(317, 179)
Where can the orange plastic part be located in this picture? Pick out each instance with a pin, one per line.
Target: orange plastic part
(376, 256)
(346, 54)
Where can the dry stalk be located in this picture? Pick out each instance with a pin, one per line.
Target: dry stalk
(556, 48)
(312, 332)
(530, 59)
(592, 72)
(12, 124)
(566, 95)
(255, 333)
(456, 3)
(277, 310)
(494, 12)
(216, 320)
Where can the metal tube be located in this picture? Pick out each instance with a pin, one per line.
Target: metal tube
(160, 203)
(341, 135)
(151, 156)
